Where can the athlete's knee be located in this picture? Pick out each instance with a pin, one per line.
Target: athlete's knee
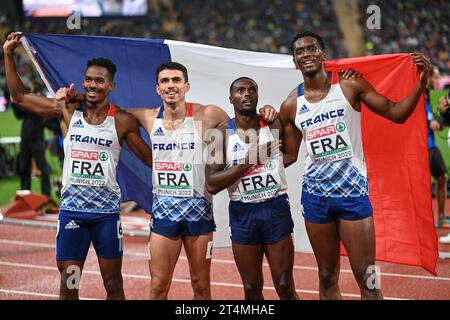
(201, 287)
(284, 286)
(328, 277)
(159, 287)
(113, 284)
(253, 289)
(69, 282)
(367, 277)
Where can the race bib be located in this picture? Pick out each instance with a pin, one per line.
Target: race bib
(260, 182)
(88, 167)
(175, 179)
(329, 143)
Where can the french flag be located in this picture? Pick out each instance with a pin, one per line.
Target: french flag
(396, 155)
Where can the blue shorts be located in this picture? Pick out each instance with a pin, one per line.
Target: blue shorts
(172, 229)
(76, 230)
(321, 210)
(262, 222)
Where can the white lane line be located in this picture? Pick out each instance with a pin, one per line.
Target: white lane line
(139, 254)
(138, 276)
(36, 294)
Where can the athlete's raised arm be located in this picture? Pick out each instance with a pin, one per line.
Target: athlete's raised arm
(37, 104)
(360, 89)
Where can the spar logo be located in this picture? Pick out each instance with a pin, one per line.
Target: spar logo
(187, 166)
(323, 132)
(270, 165)
(255, 169)
(84, 154)
(340, 126)
(173, 166)
(168, 166)
(103, 156)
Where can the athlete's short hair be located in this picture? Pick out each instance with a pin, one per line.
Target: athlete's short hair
(172, 66)
(242, 78)
(307, 34)
(105, 63)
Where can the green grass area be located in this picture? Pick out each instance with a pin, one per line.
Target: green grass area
(10, 127)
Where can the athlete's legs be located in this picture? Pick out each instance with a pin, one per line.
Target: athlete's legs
(70, 271)
(441, 194)
(358, 238)
(325, 244)
(38, 151)
(280, 256)
(164, 253)
(249, 259)
(199, 259)
(111, 270)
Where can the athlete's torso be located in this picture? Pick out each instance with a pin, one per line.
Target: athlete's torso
(331, 129)
(263, 181)
(89, 171)
(179, 171)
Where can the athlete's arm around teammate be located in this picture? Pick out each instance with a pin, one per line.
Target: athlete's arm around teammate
(217, 178)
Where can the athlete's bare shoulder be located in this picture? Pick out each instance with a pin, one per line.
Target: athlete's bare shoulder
(353, 88)
(211, 115)
(123, 116)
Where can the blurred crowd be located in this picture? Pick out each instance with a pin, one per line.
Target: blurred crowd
(412, 25)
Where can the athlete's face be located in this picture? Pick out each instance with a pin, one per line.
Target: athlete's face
(244, 96)
(172, 86)
(97, 83)
(308, 56)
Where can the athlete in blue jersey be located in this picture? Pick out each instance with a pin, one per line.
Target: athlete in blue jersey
(324, 112)
(94, 131)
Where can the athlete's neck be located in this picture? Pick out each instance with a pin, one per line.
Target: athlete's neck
(96, 110)
(319, 81)
(175, 111)
(247, 121)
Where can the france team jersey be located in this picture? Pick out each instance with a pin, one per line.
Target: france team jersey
(179, 172)
(331, 129)
(263, 181)
(90, 161)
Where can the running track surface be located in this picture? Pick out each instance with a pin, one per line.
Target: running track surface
(28, 271)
